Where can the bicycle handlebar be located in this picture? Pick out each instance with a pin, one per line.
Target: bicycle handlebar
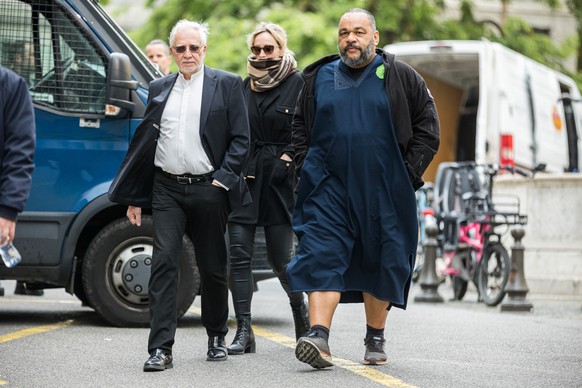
(492, 169)
(514, 170)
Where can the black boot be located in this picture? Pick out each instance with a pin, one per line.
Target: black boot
(244, 339)
(301, 319)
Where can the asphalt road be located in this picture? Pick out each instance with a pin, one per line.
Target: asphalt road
(52, 341)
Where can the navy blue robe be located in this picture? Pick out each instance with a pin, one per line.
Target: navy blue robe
(355, 216)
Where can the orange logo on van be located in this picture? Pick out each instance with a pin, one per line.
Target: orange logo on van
(556, 118)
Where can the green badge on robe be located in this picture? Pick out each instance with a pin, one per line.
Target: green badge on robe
(380, 71)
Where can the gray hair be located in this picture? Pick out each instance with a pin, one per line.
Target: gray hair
(185, 24)
(367, 13)
(161, 43)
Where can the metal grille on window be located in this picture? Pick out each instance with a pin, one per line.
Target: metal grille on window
(39, 41)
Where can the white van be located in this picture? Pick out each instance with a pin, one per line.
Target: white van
(496, 105)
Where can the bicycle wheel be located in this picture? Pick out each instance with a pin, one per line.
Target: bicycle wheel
(459, 287)
(493, 274)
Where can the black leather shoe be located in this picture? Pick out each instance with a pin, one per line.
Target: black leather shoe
(159, 360)
(216, 349)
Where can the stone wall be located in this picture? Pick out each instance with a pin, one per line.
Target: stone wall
(553, 238)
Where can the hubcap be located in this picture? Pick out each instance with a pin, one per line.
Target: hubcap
(131, 273)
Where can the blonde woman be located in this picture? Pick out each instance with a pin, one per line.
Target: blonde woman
(271, 89)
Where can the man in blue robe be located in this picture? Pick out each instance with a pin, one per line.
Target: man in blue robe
(364, 131)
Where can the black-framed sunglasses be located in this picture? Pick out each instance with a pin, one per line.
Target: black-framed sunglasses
(182, 49)
(268, 49)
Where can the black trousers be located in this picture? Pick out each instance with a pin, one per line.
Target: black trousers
(279, 239)
(201, 209)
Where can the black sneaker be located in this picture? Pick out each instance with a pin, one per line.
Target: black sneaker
(313, 350)
(375, 350)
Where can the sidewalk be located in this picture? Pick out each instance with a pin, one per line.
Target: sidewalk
(469, 344)
(547, 305)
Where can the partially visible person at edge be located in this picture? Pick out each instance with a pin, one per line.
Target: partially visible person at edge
(365, 130)
(17, 146)
(158, 52)
(22, 60)
(185, 162)
(271, 91)
(21, 55)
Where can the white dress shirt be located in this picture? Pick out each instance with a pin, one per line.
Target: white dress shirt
(179, 149)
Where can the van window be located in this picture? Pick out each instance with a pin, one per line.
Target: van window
(41, 43)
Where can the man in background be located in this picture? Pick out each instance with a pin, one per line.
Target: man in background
(158, 52)
(22, 60)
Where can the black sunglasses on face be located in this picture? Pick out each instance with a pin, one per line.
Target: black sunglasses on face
(182, 49)
(268, 49)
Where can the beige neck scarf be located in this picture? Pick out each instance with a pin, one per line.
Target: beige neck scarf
(267, 73)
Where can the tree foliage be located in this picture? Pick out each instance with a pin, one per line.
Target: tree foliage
(312, 26)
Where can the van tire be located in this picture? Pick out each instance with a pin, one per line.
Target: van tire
(116, 271)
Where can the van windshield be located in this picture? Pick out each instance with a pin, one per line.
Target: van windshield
(63, 69)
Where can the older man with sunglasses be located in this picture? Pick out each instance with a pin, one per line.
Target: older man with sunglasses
(185, 163)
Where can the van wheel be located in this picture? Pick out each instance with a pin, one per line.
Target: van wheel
(116, 272)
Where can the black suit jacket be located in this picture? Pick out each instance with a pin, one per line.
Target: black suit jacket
(224, 130)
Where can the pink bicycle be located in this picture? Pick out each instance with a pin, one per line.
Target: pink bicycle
(480, 258)
(472, 230)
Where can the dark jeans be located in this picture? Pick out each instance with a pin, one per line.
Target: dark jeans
(202, 210)
(279, 239)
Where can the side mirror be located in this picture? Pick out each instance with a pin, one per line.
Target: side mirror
(119, 84)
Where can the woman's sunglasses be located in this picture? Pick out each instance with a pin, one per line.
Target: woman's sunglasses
(268, 49)
(182, 49)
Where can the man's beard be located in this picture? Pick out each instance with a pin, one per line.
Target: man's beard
(365, 55)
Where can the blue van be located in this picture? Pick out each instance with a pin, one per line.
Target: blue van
(89, 84)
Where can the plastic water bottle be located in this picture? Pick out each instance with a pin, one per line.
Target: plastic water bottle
(10, 255)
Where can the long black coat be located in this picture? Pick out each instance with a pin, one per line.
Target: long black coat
(271, 180)
(224, 130)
